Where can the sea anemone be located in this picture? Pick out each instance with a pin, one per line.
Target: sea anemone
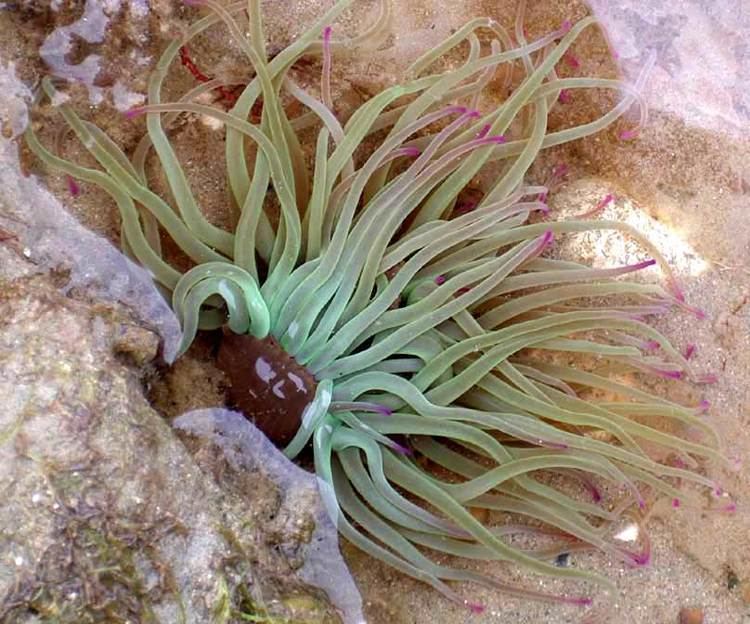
(410, 338)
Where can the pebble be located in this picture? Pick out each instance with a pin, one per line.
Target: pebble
(691, 615)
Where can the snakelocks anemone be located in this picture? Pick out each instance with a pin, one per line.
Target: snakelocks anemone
(411, 339)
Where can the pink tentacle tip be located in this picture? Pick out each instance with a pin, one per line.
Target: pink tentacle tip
(472, 113)
(651, 345)
(134, 112)
(327, 34)
(707, 379)
(689, 351)
(730, 508)
(475, 608)
(703, 406)
(566, 26)
(547, 238)
(572, 60)
(644, 265)
(73, 187)
(411, 151)
(498, 138)
(544, 209)
(440, 280)
(676, 503)
(564, 97)
(628, 135)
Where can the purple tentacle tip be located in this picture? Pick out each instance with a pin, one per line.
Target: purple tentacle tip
(628, 135)
(703, 406)
(484, 131)
(383, 410)
(689, 351)
(440, 279)
(566, 26)
(548, 237)
(730, 508)
(564, 96)
(676, 503)
(327, 33)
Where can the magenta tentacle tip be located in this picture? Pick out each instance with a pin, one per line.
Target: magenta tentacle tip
(401, 449)
(596, 494)
(383, 410)
(327, 33)
(134, 112)
(689, 351)
(581, 601)
(572, 60)
(566, 26)
(484, 131)
(440, 280)
(564, 96)
(607, 199)
(73, 187)
(411, 151)
(676, 503)
(560, 170)
(628, 135)
(548, 237)
(703, 406)
(475, 607)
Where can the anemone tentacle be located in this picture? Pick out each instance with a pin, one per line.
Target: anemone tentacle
(421, 326)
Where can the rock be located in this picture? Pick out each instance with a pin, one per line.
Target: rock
(105, 513)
